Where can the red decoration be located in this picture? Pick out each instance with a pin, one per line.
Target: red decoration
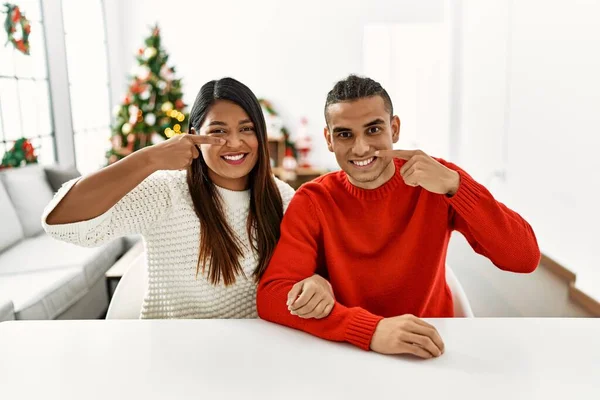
(137, 87)
(16, 14)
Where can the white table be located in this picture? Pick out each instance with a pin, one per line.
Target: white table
(253, 359)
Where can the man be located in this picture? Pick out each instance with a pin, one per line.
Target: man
(379, 229)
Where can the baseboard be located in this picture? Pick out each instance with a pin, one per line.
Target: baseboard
(560, 271)
(588, 303)
(584, 300)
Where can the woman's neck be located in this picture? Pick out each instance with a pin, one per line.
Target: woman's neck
(235, 184)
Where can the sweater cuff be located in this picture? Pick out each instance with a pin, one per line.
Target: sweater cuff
(468, 195)
(361, 328)
(77, 230)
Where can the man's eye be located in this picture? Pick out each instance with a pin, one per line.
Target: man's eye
(344, 135)
(374, 129)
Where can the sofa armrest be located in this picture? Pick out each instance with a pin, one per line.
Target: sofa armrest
(7, 310)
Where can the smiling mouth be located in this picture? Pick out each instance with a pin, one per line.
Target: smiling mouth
(363, 163)
(235, 159)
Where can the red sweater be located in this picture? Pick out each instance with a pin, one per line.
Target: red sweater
(384, 250)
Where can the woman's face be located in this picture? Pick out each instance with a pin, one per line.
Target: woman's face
(229, 164)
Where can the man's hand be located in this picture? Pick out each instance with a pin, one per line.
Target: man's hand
(422, 170)
(311, 298)
(407, 334)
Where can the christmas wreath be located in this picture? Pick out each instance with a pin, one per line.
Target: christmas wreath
(17, 28)
(21, 153)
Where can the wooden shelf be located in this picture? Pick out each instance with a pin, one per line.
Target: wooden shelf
(302, 174)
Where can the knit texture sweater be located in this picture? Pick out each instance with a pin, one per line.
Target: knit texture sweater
(384, 250)
(161, 210)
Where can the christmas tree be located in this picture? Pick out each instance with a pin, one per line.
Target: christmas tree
(153, 109)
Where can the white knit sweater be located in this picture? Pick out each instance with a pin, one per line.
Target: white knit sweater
(161, 209)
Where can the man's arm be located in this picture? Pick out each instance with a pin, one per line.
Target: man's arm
(492, 229)
(294, 259)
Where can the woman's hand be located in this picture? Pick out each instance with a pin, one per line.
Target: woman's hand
(178, 152)
(311, 298)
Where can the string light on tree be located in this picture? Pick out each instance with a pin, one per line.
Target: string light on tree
(166, 107)
(150, 52)
(150, 119)
(126, 128)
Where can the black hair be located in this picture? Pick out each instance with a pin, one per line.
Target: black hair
(356, 87)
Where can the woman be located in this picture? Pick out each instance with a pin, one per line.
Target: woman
(206, 204)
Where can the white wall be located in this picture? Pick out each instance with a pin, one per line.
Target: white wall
(530, 100)
(289, 52)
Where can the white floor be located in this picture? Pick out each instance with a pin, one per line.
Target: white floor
(496, 293)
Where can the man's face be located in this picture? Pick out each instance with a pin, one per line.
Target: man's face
(355, 131)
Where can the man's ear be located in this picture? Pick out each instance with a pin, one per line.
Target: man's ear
(328, 138)
(395, 129)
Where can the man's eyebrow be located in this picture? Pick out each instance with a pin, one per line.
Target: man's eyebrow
(340, 129)
(377, 121)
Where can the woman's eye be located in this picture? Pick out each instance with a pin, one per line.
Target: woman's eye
(217, 131)
(248, 129)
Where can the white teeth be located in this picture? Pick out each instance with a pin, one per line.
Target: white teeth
(364, 163)
(234, 158)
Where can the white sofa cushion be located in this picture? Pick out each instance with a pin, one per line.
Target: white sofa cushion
(43, 253)
(30, 192)
(11, 230)
(44, 294)
(7, 311)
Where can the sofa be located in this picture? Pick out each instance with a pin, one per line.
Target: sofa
(40, 277)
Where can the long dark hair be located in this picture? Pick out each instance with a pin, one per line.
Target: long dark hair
(219, 246)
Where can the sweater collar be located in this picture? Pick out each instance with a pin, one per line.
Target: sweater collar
(233, 199)
(378, 193)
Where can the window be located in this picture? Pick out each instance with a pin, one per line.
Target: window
(87, 66)
(24, 91)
